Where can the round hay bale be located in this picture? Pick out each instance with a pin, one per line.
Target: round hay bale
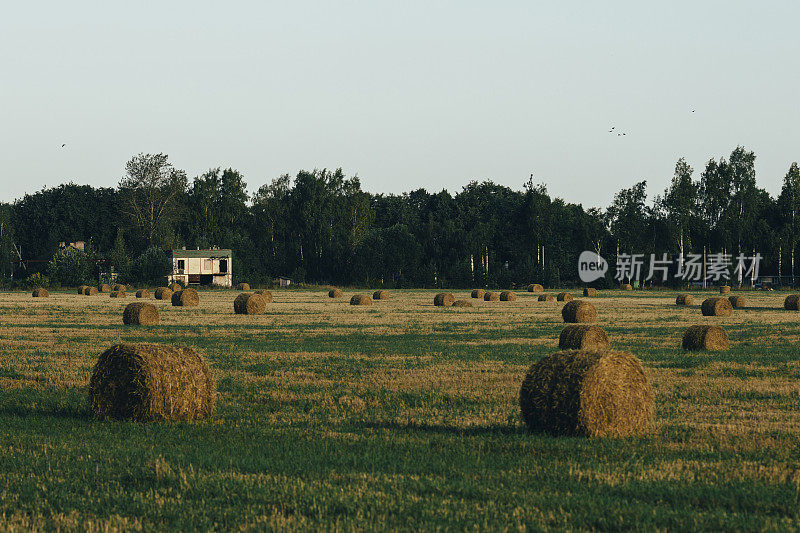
(508, 296)
(264, 293)
(249, 304)
(546, 298)
(143, 382)
(380, 295)
(684, 299)
(335, 293)
(564, 297)
(582, 337)
(117, 294)
(595, 394)
(175, 287)
(81, 289)
(104, 287)
(119, 287)
(140, 313)
(185, 298)
(589, 292)
(243, 287)
(579, 311)
(163, 293)
(491, 297)
(443, 299)
(724, 289)
(701, 337)
(626, 287)
(143, 293)
(462, 303)
(90, 291)
(792, 302)
(40, 292)
(478, 293)
(360, 299)
(535, 287)
(737, 301)
(717, 307)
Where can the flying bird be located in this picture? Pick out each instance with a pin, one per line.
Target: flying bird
(63, 145)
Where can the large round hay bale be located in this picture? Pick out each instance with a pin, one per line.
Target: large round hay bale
(792, 302)
(144, 382)
(104, 287)
(535, 287)
(564, 297)
(140, 313)
(702, 337)
(462, 303)
(546, 298)
(724, 289)
(360, 299)
(478, 293)
(579, 311)
(380, 295)
(589, 292)
(118, 294)
(81, 289)
(119, 287)
(443, 299)
(738, 301)
(40, 292)
(90, 291)
(684, 299)
(249, 304)
(243, 287)
(717, 307)
(264, 293)
(143, 293)
(175, 287)
(626, 287)
(185, 298)
(582, 337)
(508, 296)
(587, 393)
(163, 293)
(491, 297)
(335, 293)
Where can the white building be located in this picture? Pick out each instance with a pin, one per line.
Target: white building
(202, 267)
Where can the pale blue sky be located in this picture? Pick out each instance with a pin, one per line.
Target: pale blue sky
(405, 94)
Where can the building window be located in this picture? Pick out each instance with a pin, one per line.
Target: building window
(181, 266)
(207, 265)
(223, 266)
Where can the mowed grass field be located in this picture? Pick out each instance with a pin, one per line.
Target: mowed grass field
(400, 415)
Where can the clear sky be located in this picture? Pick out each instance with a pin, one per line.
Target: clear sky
(405, 94)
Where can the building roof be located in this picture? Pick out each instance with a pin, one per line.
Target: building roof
(205, 254)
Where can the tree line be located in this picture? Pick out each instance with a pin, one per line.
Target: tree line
(321, 227)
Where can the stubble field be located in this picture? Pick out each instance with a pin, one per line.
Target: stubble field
(401, 415)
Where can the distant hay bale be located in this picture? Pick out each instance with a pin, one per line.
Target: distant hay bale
(163, 293)
(81, 289)
(724, 289)
(443, 299)
(792, 302)
(39, 292)
(380, 295)
(587, 393)
(104, 287)
(737, 301)
(335, 293)
(589, 292)
(478, 293)
(140, 313)
(118, 294)
(684, 299)
(144, 382)
(360, 299)
(185, 298)
(564, 297)
(508, 296)
(90, 291)
(249, 304)
(119, 287)
(626, 287)
(579, 311)
(462, 303)
(175, 287)
(702, 337)
(546, 298)
(243, 287)
(582, 337)
(264, 293)
(143, 293)
(535, 287)
(717, 307)
(491, 297)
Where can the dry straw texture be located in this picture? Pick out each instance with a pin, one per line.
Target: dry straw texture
(249, 304)
(579, 311)
(491, 297)
(684, 299)
(535, 287)
(702, 337)
(104, 287)
(81, 289)
(478, 293)
(39, 292)
(626, 287)
(737, 301)
(185, 298)
(462, 303)
(90, 291)
(264, 293)
(335, 293)
(118, 294)
(582, 337)
(360, 299)
(175, 287)
(144, 382)
(564, 297)
(140, 313)
(595, 394)
(546, 298)
(724, 289)
(243, 287)
(119, 287)
(508, 296)
(143, 293)
(163, 293)
(380, 295)
(717, 307)
(443, 299)
(590, 292)
(792, 302)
